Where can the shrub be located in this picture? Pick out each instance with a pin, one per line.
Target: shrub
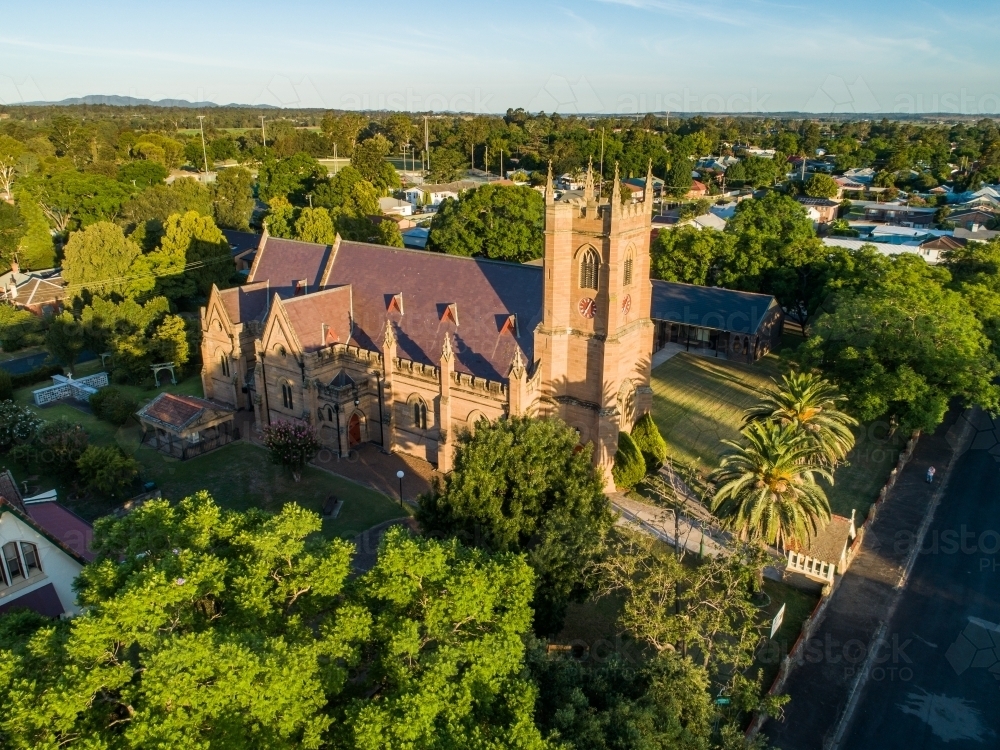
(55, 448)
(630, 467)
(107, 470)
(35, 376)
(650, 442)
(6, 385)
(18, 425)
(291, 444)
(113, 405)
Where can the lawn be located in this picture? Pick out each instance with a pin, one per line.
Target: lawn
(238, 476)
(700, 401)
(798, 606)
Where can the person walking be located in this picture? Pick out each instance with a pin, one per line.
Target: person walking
(930, 474)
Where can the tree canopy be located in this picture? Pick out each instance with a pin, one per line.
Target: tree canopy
(493, 221)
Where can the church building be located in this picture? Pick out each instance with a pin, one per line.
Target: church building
(407, 349)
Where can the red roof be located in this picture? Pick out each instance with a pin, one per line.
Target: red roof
(175, 410)
(63, 524)
(287, 262)
(322, 318)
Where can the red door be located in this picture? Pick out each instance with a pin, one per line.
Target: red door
(354, 430)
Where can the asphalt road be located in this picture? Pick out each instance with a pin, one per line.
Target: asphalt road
(937, 682)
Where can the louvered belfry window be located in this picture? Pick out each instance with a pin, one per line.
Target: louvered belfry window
(589, 266)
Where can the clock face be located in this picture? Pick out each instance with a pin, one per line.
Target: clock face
(587, 307)
(626, 304)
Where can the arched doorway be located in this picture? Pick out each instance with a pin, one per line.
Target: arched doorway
(354, 430)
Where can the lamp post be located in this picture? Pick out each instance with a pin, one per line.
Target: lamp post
(399, 475)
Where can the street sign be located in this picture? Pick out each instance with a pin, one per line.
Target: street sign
(778, 619)
(722, 701)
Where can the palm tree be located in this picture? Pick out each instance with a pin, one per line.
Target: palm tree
(812, 406)
(767, 488)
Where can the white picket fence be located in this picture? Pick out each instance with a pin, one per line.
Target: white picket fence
(64, 387)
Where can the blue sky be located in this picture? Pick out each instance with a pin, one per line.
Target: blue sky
(613, 56)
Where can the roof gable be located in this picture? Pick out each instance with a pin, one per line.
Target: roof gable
(320, 319)
(178, 412)
(285, 263)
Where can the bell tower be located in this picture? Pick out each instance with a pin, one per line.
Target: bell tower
(595, 341)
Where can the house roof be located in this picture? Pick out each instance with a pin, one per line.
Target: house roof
(43, 600)
(9, 490)
(175, 411)
(943, 243)
(982, 235)
(287, 262)
(446, 187)
(709, 306)
(65, 525)
(830, 542)
(241, 242)
(808, 200)
(486, 293)
(247, 302)
(322, 318)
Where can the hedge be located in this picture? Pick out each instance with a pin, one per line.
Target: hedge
(630, 467)
(650, 442)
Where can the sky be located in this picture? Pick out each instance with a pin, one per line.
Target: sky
(575, 56)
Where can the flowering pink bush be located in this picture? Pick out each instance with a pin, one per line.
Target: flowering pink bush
(291, 444)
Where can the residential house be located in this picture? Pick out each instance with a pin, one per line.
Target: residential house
(821, 210)
(40, 292)
(395, 207)
(243, 246)
(43, 548)
(697, 190)
(828, 552)
(433, 194)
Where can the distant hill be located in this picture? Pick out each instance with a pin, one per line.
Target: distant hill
(129, 101)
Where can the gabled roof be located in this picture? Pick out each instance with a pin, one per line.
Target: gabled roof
(943, 243)
(322, 318)
(177, 412)
(63, 524)
(485, 293)
(9, 490)
(808, 200)
(709, 306)
(285, 262)
(247, 302)
(829, 543)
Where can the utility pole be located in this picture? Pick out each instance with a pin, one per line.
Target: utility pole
(427, 147)
(263, 134)
(204, 152)
(486, 163)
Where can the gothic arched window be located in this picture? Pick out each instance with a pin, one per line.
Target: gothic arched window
(419, 414)
(286, 395)
(589, 266)
(224, 361)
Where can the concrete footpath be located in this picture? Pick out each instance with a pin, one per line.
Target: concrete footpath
(849, 639)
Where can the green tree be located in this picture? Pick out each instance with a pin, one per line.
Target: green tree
(315, 225)
(128, 330)
(11, 151)
(20, 328)
(193, 255)
(232, 198)
(142, 174)
(522, 485)
(690, 255)
(368, 159)
(64, 340)
(679, 179)
(767, 488)
(149, 210)
(6, 386)
(292, 444)
(100, 261)
(347, 193)
(650, 442)
(630, 465)
(290, 178)
(12, 229)
(107, 470)
(55, 448)
(387, 233)
(113, 405)
(280, 219)
(74, 199)
(493, 221)
(36, 249)
(812, 406)
(821, 186)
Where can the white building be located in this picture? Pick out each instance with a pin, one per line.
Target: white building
(432, 195)
(395, 207)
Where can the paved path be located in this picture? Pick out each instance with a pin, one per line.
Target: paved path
(659, 522)
(943, 689)
(821, 687)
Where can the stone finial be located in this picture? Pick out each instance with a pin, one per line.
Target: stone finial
(616, 193)
(588, 185)
(550, 192)
(390, 336)
(446, 351)
(517, 366)
(648, 194)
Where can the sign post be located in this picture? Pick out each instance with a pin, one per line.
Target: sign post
(778, 619)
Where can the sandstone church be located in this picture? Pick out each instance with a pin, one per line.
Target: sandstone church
(407, 349)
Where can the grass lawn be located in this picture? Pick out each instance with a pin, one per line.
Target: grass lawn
(699, 401)
(798, 606)
(238, 476)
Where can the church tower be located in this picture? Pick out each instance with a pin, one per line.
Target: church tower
(595, 341)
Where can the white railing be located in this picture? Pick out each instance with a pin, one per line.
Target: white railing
(64, 387)
(811, 567)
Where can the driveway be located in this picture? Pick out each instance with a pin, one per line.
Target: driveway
(941, 689)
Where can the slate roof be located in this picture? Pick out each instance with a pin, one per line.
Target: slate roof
(9, 490)
(247, 302)
(485, 293)
(289, 261)
(176, 411)
(43, 600)
(65, 525)
(240, 242)
(322, 318)
(829, 543)
(709, 306)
